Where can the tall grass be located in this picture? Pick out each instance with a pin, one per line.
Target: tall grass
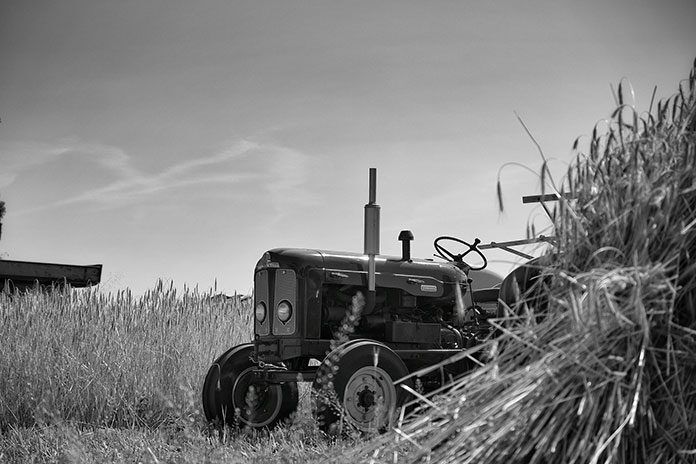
(603, 368)
(111, 359)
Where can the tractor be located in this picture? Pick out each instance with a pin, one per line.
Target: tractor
(359, 327)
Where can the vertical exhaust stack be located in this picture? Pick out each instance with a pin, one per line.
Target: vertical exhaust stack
(371, 239)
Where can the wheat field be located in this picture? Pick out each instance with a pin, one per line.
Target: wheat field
(88, 376)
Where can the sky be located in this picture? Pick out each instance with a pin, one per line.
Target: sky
(181, 140)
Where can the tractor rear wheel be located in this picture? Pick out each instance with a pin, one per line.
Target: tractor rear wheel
(524, 285)
(233, 396)
(355, 384)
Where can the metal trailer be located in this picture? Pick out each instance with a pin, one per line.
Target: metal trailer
(20, 275)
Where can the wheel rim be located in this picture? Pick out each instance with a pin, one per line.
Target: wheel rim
(258, 404)
(369, 398)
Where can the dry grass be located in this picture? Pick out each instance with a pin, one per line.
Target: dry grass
(606, 370)
(67, 443)
(92, 377)
(111, 360)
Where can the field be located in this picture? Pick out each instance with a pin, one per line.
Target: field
(597, 364)
(89, 377)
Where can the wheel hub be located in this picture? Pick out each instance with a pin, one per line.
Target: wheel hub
(366, 398)
(370, 398)
(257, 404)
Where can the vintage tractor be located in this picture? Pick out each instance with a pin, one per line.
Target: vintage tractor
(310, 326)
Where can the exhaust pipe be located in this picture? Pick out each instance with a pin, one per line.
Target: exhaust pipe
(371, 239)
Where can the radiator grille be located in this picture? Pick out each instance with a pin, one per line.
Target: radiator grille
(285, 289)
(261, 296)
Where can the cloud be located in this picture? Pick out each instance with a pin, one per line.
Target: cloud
(133, 185)
(278, 174)
(19, 157)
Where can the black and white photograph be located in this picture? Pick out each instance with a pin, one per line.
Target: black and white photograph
(347, 231)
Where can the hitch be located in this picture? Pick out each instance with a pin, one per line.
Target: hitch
(276, 375)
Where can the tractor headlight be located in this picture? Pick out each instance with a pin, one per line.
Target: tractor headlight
(284, 311)
(260, 312)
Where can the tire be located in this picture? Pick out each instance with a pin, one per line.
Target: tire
(232, 396)
(355, 386)
(523, 285)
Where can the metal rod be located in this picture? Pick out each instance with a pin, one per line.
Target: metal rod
(547, 197)
(371, 273)
(541, 238)
(373, 186)
(515, 252)
(505, 246)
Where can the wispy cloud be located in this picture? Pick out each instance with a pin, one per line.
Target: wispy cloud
(19, 157)
(278, 174)
(134, 185)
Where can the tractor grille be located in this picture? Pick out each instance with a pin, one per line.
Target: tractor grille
(271, 287)
(285, 290)
(261, 295)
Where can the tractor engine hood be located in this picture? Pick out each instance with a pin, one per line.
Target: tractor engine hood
(416, 276)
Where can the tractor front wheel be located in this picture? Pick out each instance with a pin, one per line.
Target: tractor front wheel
(233, 396)
(355, 384)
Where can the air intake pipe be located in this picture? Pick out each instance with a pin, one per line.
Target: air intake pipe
(405, 237)
(371, 240)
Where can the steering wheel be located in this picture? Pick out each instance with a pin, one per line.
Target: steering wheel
(444, 253)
